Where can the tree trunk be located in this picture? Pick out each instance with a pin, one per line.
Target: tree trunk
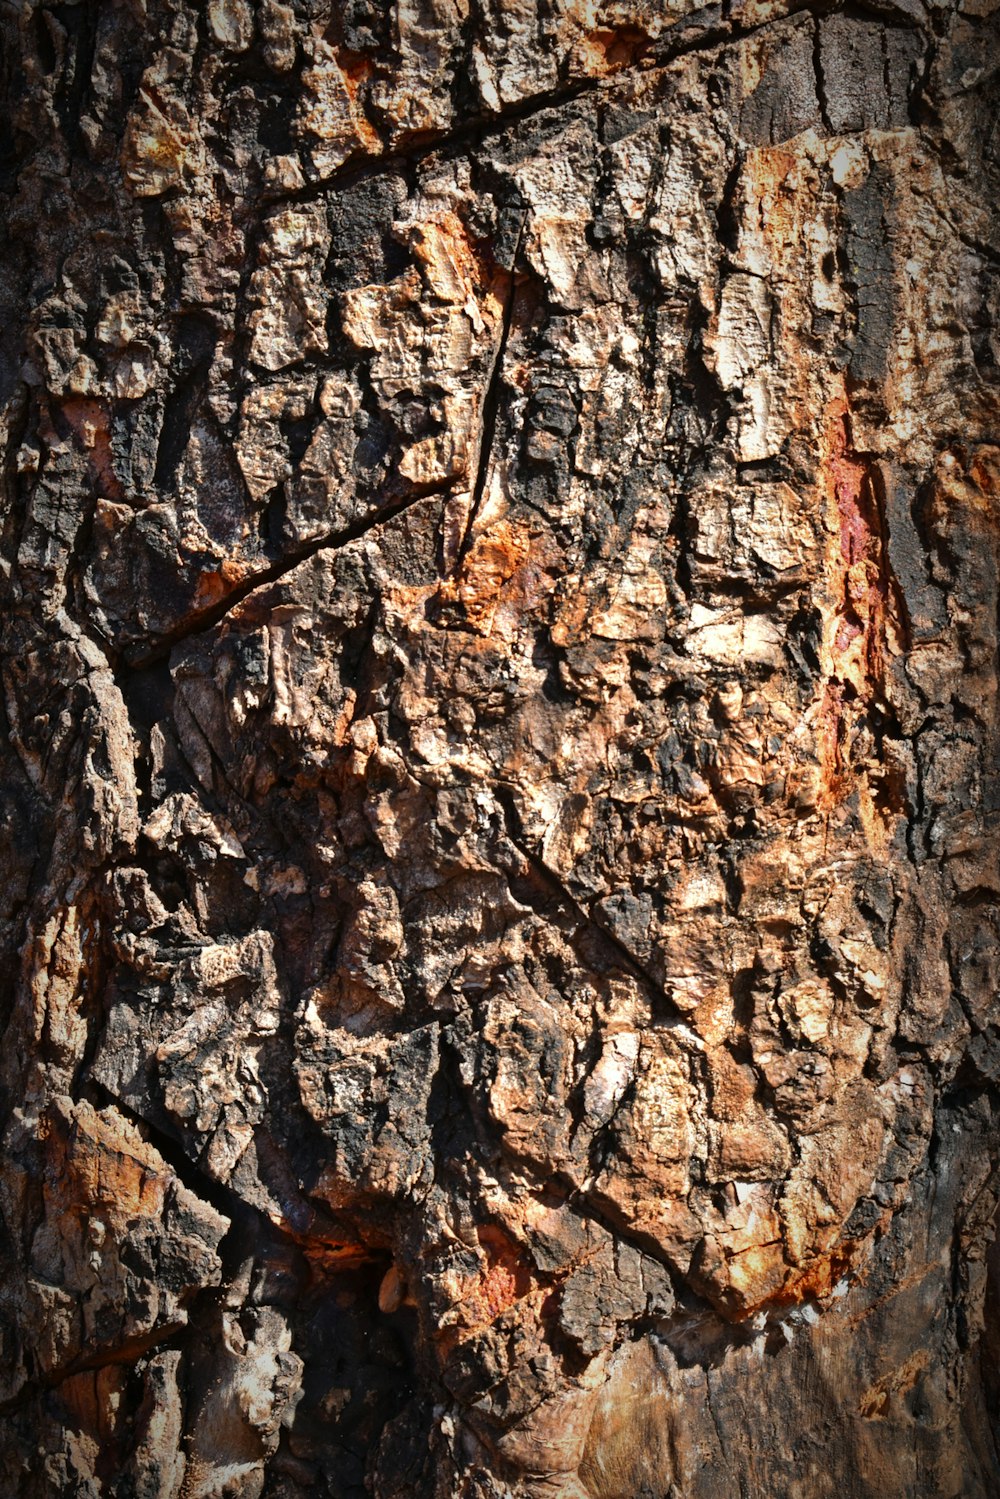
(500, 549)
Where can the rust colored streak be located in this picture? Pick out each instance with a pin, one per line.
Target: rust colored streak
(357, 68)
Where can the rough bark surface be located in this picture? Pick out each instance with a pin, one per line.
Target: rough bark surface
(500, 879)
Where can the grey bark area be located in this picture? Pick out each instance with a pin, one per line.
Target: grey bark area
(501, 514)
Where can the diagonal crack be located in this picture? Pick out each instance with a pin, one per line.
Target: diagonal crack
(200, 620)
(478, 129)
(191, 1174)
(167, 1335)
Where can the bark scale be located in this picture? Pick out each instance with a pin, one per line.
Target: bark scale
(501, 511)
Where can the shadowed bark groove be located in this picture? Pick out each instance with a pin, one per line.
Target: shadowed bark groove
(501, 576)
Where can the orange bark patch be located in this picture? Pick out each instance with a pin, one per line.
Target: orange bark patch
(216, 585)
(504, 1280)
(101, 1162)
(494, 1294)
(818, 1279)
(503, 579)
(508, 1277)
(607, 51)
(329, 1257)
(453, 263)
(357, 68)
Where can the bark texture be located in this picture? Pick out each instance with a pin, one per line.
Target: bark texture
(501, 523)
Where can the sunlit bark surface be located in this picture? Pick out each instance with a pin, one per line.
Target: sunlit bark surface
(501, 509)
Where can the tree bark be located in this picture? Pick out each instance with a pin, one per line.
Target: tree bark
(500, 554)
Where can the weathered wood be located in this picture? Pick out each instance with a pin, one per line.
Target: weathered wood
(500, 551)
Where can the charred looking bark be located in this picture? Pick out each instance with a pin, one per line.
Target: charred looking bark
(500, 880)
